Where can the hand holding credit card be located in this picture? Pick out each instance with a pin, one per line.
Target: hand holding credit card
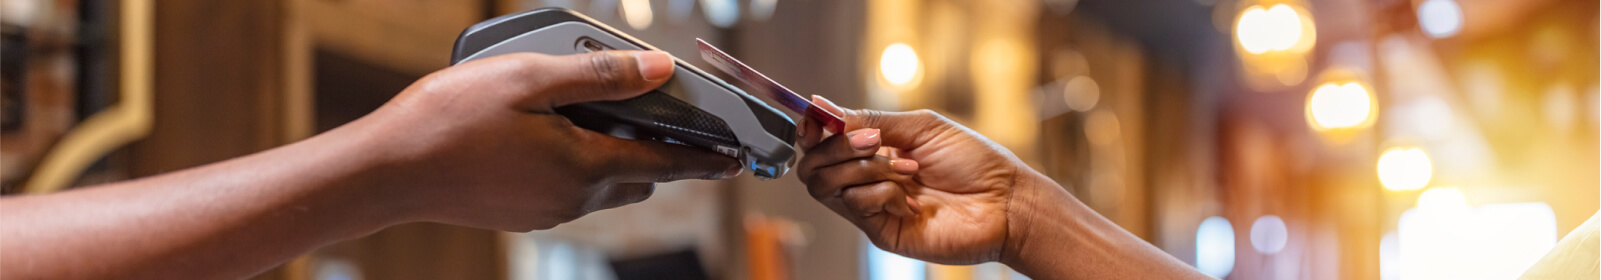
(764, 86)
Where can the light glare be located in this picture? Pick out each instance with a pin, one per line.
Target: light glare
(898, 64)
(1334, 106)
(1497, 241)
(1261, 30)
(1404, 169)
(1443, 201)
(1214, 247)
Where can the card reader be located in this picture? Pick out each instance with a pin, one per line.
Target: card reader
(693, 108)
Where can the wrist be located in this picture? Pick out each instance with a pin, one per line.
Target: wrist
(358, 191)
(1042, 217)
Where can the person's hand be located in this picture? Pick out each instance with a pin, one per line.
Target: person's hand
(479, 145)
(940, 194)
(925, 187)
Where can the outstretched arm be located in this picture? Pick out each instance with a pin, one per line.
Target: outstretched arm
(948, 195)
(475, 145)
(223, 220)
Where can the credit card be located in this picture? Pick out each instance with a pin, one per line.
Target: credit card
(765, 86)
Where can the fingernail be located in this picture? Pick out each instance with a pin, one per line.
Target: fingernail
(864, 139)
(903, 166)
(827, 105)
(917, 208)
(654, 65)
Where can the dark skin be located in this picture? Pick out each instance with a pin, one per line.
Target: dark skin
(474, 145)
(928, 188)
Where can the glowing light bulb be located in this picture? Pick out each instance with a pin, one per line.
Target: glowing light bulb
(1440, 18)
(1404, 169)
(898, 64)
(1275, 28)
(1333, 106)
(637, 13)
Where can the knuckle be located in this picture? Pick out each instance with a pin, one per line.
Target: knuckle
(872, 118)
(607, 70)
(929, 115)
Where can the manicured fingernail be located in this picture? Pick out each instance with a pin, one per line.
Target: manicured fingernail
(654, 65)
(864, 139)
(903, 166)
(917, 208)
(827, 105)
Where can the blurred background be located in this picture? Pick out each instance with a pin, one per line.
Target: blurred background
(1254, 139)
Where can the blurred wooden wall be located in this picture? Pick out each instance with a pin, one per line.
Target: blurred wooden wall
(237, 77)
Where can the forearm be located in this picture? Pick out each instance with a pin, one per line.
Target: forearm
(1064, 239)
(224, 220)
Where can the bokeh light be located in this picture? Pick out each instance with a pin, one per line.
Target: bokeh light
(899, 64)
(1269, 234)
(1102, 128)
(1214, 247)
(763, 9)
(721, 13)
(638, 13)
(1402, 169)
(883, 265)
(1081, 93)
(1275, 28)
(1340, 106)
(1440, 18)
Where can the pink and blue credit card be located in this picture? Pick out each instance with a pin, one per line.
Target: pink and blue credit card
(765, 86)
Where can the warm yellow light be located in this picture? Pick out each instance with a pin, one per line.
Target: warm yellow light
(1404, 169)
(898, 64)
(1102, 129)
(1338, 106)
(637, 13)
(1081, 93)
(1275, 28)
(1443, 201)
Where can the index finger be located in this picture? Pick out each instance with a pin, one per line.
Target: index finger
(904, 130)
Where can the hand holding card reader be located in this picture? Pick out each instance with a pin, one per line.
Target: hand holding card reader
(692, 108)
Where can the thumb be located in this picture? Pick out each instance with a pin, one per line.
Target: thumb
(905, 130)
(600, 76)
